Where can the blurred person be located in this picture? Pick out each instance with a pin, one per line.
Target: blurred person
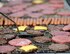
(67, 4)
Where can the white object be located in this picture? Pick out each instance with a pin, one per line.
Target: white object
(1, 4)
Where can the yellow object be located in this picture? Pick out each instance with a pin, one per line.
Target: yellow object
(28, 48)
(21, 28)
(38, 1)
(40, 28)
